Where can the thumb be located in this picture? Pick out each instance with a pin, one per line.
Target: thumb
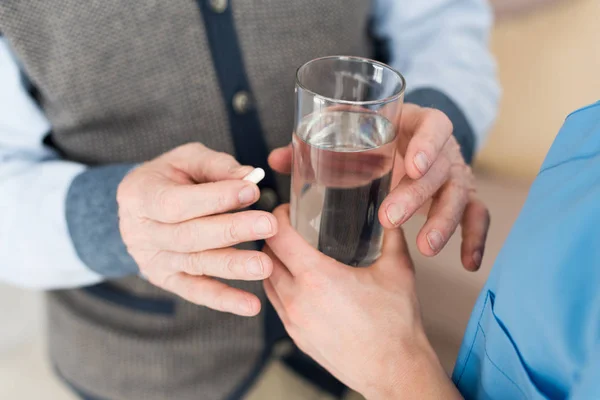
(394, 253)
(281, 159)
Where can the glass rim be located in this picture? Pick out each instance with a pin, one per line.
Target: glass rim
(384, 100)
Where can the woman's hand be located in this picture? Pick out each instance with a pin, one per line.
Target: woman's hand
(361, 324)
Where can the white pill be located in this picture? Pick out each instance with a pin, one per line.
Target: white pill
(255, 176)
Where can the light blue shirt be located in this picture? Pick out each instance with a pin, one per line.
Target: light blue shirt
(440, 44)
(535, 330)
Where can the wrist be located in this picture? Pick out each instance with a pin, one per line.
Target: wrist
(418, 375)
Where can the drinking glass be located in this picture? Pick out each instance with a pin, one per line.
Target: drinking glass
(344, 142)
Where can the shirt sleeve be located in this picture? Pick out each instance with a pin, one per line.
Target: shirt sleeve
(442, 49)
(36, 249)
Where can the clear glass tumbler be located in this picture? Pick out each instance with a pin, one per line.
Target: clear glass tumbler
(347, 114)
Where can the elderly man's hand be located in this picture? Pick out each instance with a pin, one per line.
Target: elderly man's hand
(177, 222)
(430, 175)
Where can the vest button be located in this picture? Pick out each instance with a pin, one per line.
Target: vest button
(218, 6)
(268, 200)
(241, 102)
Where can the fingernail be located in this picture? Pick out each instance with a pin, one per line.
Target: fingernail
(395, 214)
(248, 194)
(254, 266)
(422, 162)
(435, 240)
(477, 257)
(262, 226)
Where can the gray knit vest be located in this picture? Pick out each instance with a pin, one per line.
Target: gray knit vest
(124, 81)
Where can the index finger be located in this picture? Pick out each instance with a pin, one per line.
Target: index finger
(178, 203)
(429, 130)
(289, 247)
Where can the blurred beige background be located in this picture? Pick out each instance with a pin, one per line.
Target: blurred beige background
(549, 65)
(549, 60)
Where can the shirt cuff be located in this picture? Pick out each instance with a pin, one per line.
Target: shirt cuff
(463, 132)
(93, 221)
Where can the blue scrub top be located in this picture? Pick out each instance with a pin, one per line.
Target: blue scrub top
(535, 329)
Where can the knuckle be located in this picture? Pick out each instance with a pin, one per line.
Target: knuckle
(195, 264)
(418, 195)
(229, 265)
(170, 206)
(190, 148)
(182, 235)
(231, 232)
(456, 186)
(222, 202)
(217, 200)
